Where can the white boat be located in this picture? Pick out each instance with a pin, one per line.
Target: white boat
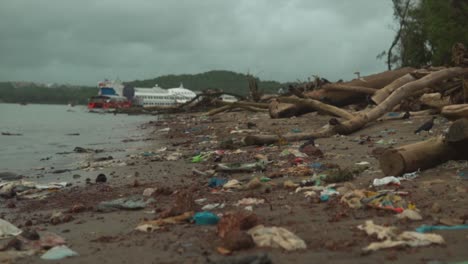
(157, 96)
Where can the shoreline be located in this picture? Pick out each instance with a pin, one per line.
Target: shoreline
(329, 228)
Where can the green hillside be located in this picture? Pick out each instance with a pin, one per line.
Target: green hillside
(226, 80)
(15, 92)
(33, 93)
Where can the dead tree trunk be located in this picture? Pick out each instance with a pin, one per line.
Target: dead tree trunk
(435, 100)
(395, 98)
(455, 111)
(429, 153)
(289, 104)
(350, 88)
(421, 155)
(261, 140)
(340, 98)
(383, 93)
(253, 88)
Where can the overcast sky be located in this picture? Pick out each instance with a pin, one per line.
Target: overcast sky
(83, 41)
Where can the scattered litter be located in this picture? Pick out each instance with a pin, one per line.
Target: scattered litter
(428, 228)
(391, 238)
(363, 163)
(253, 184)
(216, 182)
(276, 237)
(58, 252)
(174, 156)
(232, 184)
(386, 181)
(200, 157)
(7, 229)
(149, 191)
(150, 226)
(290, 184)
(127, 203)
(249, 201)
(410, 214)
(385, 200)
(200, 201)
(205, 218)
(212, 206)
(242, 167)
(386, 142)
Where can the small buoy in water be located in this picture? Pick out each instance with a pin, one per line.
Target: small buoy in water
(101, 178)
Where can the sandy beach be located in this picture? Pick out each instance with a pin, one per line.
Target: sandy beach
(328, 227)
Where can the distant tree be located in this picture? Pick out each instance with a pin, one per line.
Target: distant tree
(427, 31)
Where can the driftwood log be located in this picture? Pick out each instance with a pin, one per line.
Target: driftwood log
(250, 106)
(455, 111)
(434, 100)
(359, 121)
(272, 139)
(340, 98)
(284, 107)
(429, 153)
(350, 88)
(383, 93)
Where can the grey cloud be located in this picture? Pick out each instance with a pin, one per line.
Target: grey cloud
(88, 40)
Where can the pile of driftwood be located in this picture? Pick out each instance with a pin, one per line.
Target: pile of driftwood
(355, 104)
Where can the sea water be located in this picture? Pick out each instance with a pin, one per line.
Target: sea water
(49, 135)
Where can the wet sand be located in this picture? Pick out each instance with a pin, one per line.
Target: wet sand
(328, 228)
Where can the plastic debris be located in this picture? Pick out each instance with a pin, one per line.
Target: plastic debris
(290, 184)
(428, 228)
(327, 193)
(324, 197)
(386, 142)
(253, 184)
(173, 156)
(7, 229)
(363, 163)
(391, 238)
(150, 226)
(249, 201)
(200, 201)
(216, 182)
(232, 184)
(265, 179)
(386, 200)
(409, 214)
(410, 175)
(212, 206)
(127, 203)
(197, 158)
(205, 218)
(149, 192)
(276, 237)
(386, 181)
(58, 252)
(316, 165)
(463, 174)
(242, 167)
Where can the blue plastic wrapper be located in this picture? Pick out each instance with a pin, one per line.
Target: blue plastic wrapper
(205, 218)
